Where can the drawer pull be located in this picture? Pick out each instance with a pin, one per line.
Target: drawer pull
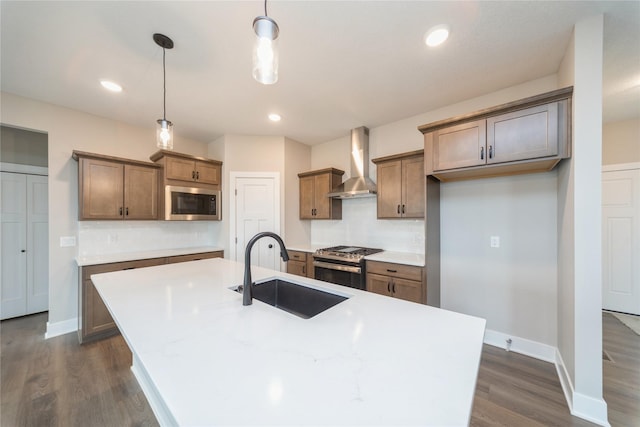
(129, 268)
(392, 271)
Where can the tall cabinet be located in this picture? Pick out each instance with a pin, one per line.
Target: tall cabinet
(25, 242)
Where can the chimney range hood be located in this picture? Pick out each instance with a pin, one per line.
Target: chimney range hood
(359, 185)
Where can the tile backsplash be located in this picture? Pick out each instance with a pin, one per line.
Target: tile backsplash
(360, 226)
(108, 237)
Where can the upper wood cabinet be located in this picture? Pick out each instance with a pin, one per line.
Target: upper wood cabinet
(314, 187)
(530, 135)
(179, 168)
(401, 185)
(115, 188)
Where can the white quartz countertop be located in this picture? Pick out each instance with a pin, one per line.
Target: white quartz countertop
(204, 359)
(130, 256)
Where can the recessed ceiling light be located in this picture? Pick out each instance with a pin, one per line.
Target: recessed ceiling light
(437, 35)
(274, 117)
(113, 87)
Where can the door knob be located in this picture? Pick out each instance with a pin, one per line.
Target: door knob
(270, 246)
(23, 250)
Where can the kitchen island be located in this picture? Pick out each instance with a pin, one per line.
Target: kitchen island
(203, 359)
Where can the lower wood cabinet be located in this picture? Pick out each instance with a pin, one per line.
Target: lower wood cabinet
(301, 264)
(94, 320)
(396, 280)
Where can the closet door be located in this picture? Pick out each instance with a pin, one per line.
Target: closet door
(37, 244)
(25, 245)
(13, 295)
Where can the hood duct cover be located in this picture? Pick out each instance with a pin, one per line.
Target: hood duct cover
(359, 185)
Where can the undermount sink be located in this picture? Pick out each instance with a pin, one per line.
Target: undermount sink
(296, 299)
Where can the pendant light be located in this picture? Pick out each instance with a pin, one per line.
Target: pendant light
(265, 49)
(164, 129)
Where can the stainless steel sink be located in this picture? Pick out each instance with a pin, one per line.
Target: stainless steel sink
(296, 299)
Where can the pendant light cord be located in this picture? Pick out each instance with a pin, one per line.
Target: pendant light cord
(164, 86)
(265, 8)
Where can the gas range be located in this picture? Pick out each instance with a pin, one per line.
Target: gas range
(351, 254)
(343, 265)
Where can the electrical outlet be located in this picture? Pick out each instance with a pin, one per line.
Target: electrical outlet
(67, 241)
(495, 241)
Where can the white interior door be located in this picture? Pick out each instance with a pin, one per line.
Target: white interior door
(257, 209)
(25, 245)
(621, 241)
(37, 244)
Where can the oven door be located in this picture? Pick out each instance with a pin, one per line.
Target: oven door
(341, 274)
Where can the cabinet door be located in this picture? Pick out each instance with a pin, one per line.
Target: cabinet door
(413, 188)
(306, 197)
(207, 173)
(390, 189)
(525, 134)
(298, 268)
(322, 187)
(101, 189)
(460, 146)
(140, 192)
(409, 290)
(379, 284)
(96, 316)
(311, 269)
(180, 169)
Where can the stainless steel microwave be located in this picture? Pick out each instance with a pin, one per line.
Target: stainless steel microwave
(191, 204)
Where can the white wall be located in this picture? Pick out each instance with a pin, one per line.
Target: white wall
(513, 286)
(621, 142)
(68, 130)
(297, 158)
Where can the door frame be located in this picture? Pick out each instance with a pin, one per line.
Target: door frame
(233, 176)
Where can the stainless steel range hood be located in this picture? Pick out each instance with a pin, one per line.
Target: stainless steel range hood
(359, 185)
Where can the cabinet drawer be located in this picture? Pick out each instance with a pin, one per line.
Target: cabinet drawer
(194, 257)
(297, 256)
(395, 270)
(117, 266)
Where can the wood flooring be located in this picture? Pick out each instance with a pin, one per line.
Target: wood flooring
(58, 382)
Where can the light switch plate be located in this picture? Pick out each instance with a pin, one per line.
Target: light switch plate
(67, 241)
(495, 241)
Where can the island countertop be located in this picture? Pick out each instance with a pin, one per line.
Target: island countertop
(202, 358)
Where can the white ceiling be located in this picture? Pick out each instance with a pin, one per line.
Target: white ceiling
(343, 64)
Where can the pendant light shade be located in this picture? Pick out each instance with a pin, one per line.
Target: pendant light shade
(164, 129)
(265, 49)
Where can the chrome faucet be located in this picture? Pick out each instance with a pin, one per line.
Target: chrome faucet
(247, 287)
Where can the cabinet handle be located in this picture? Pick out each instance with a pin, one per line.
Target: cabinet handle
(126, 211)
(198, 175)
(481, 153)
(392, 271)
(491, 152)
(389, 287)
(402, 208)
(193, 174)
(398, 209)
(129, 268)
(304, 270)
(120, 210)
(393, 287)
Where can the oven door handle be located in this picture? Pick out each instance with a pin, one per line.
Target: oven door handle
(340, 267)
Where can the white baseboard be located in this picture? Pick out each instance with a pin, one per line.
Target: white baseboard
(521, 345)
(585, 407)
(61, 328)
(590, 409)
